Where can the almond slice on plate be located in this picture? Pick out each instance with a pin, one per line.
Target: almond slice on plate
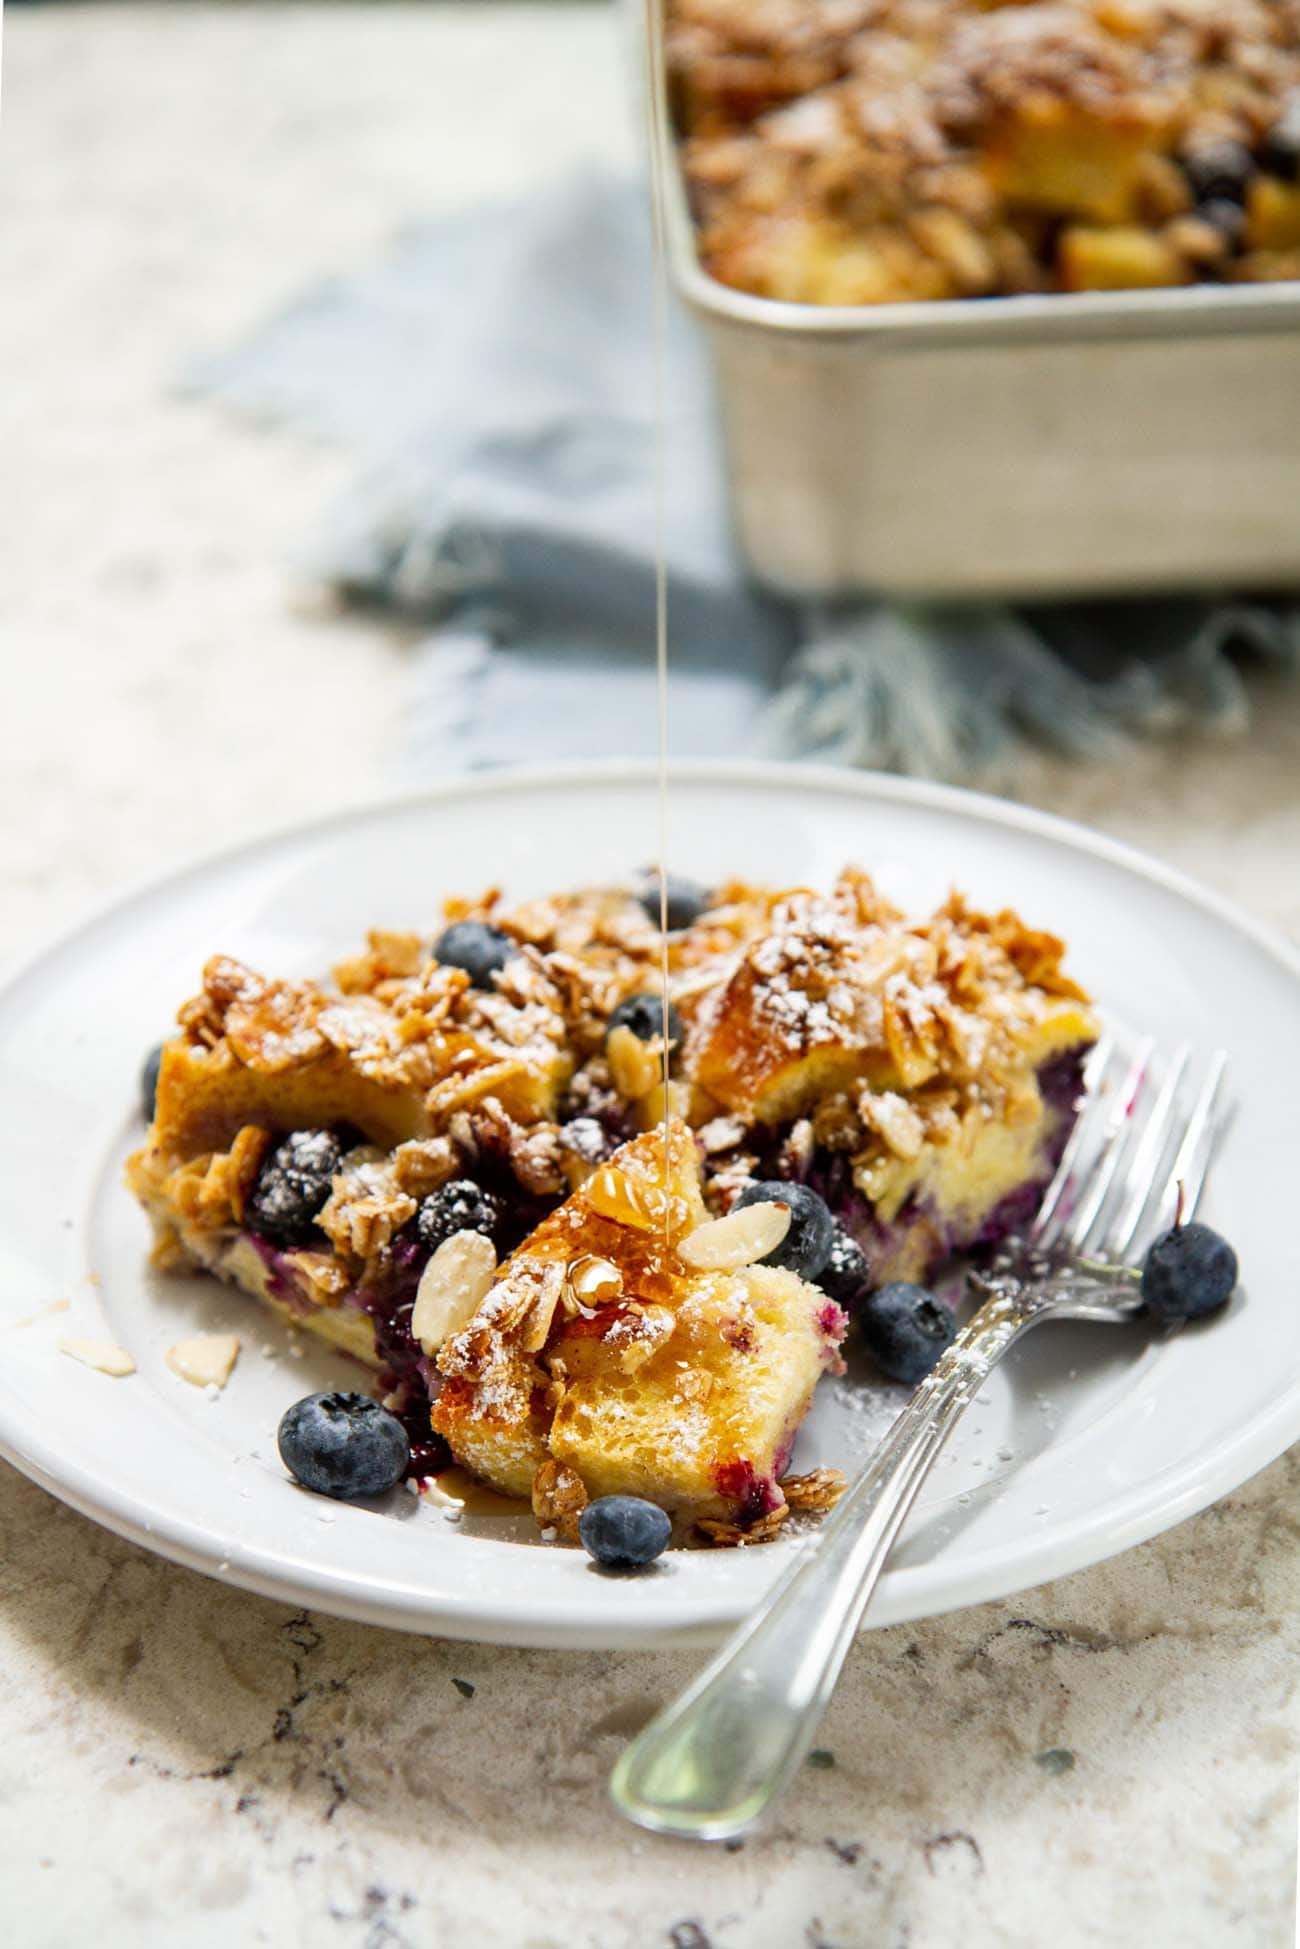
(105, 1356)
(207, 1360)
(742, 1238)
(452, 1287)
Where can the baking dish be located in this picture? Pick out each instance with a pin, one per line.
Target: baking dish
(1064, 444)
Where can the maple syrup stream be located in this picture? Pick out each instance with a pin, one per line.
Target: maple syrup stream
(657, 119)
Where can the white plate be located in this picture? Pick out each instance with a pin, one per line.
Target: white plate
(1089, 1440)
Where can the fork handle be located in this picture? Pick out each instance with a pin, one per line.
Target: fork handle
(709, 1765)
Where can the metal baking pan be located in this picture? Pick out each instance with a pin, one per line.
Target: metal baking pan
(1038, 446)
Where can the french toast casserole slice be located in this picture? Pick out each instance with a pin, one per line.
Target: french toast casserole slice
(478, 1183)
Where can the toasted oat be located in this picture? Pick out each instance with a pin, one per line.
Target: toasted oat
(325, 1279)
(424, 1164)
(559, 1498)
(742, 1238)
(894, 1119)
(817, 1491)
(537, 1159)
(365, 1209)
(452, 1287)
(836, 1125)
(735, 1536)
(209, 1191)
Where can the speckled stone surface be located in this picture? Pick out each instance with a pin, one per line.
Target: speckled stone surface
(1111, 1759)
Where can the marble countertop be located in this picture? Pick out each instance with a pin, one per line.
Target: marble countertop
(1111, 1758)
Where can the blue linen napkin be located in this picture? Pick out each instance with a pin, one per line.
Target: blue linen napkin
(494, 374)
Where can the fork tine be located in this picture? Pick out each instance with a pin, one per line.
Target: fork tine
(1142, 1171)
(1120, 1125)
(1191, 1166)
(1091, 1113)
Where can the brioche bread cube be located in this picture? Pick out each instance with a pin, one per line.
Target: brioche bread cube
(685, 1387)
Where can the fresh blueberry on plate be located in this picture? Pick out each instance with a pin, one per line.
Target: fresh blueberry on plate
(461, 1206)
(806, 1247)
(624, 1532)
(844, 1276)
(292, 1186)
(905, 1329)
(1189, 1272)
(686, 900)
(481, 951)
(644, 1015)
(149, 1083)
(343, 1445)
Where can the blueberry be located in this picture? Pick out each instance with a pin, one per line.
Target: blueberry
(844, 1276)
(149, 1083)
(461, 1206)
(482, 951)
(644, 1015)
(1280, 152)
(905, 1329)
(1189, 1271)
(1219, 169)
(686, 900)
(292, 1186)
(343, 1445)
(1225, 216)
(624, 1532)
(806, 1247)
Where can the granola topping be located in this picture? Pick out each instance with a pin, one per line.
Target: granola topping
(559, 1498)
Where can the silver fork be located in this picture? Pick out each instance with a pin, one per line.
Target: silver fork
(714, 1761)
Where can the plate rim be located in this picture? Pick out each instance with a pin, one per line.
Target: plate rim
(334, 1589)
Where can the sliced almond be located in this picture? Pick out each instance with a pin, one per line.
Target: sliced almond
(595, 1282)
(537, 1321)
(207, 1360)
(742, 1238)
(105, 1356)
(452, 1287)
(634, 1066)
